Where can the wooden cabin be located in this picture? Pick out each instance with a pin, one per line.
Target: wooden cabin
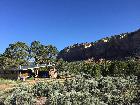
(37, 72)
(24, 72)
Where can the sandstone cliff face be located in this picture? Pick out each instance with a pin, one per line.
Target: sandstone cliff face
(115, 47)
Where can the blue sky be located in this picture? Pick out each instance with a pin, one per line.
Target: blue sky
(65, 22)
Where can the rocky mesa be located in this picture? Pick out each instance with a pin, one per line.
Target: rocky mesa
(115, 47)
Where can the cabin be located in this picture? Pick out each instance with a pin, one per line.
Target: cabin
(38, 71)
(35, 71)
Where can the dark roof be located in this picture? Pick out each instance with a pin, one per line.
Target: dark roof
(34, 66)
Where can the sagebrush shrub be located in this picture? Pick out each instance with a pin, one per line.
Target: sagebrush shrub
(79, 91)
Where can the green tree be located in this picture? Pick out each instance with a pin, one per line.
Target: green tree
(37, 50)
(52, 52)
(16, 54)
(42, 53)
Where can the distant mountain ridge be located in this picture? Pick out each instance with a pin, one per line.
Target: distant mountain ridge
(114, 47)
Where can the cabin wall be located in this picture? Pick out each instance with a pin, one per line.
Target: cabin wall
(43, 74)
(25, 73)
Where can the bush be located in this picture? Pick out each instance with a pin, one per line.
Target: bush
(79, 91)
(40, 89)
(20, 96)
(96, 69)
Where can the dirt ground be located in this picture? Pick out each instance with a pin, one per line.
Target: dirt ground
(5, 87)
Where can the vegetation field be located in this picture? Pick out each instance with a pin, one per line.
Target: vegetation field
(76, 91)
(101, 82)
(80, 83)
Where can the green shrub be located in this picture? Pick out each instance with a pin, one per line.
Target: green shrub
(105, 68)
(78, 91)
(21, 95)
(40, 89)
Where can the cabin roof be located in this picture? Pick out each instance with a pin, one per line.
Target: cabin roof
(34, 66)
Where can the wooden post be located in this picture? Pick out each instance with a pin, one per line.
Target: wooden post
(19, 74)
(37, 72)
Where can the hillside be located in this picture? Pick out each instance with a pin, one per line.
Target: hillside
(114, 47)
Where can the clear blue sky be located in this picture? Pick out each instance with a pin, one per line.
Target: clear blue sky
(65, 22)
